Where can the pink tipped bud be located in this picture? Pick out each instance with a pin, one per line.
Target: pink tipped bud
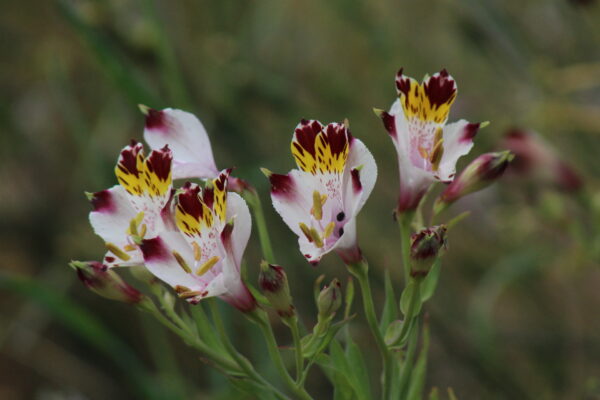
(480, 173)
(537, 159)
(330, 299)
(273, 281)
(105, 282)
(425, 248)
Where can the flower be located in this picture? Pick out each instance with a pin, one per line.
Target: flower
(320, 200)
(124, 214)
(105, 282)
(428, 149)
(479, 174)
(425, 247)
(536, 157)
(186, 137)
(202, 258)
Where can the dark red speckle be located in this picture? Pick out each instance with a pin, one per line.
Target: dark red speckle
(282, 185)
(440, 89)
(306, 134)
(337, 137)
(356, 184)
(470, 132)
(189, 202)
(160, 161)
(103, 201)
(154, 249)
(155, 119)
(389, 122)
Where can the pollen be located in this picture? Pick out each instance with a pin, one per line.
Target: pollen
(204, 268)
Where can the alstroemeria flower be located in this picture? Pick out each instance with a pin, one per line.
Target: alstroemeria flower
(428, 149)
(320, 200)
(202, 259)
(124, 214)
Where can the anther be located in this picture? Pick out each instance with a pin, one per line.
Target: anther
(207, 265)
(184, 265)
(117, 251)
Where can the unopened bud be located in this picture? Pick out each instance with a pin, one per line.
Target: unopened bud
(330, 299)
(273, 281)
(480, 173)
(425, 247)
(105, 282)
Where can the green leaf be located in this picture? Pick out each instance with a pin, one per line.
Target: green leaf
(206, 330)
(451, 394)
(358, 368)
(312, 344)
(392, 333)
(430, 283)
(407, 294)
(390, 307)
(417, 379)
(340, 381)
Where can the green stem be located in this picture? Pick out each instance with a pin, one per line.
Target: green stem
(242, 361)
(360, 271)
(404, 222)
(261, 318)
(293, 324)
(253, 200)
(407, 366)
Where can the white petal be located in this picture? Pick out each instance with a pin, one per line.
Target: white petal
(242, 225)
(111, 215)
(187, 139)
(160, 262)
(294, 206)
(358, 157)
(458, 141)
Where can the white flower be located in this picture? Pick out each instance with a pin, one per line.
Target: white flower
(428, 149)
(126, 213)
(202, 258)
(320, 200)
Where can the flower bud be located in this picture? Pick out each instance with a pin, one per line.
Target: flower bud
(330, 299)
(425, 247)
(272, 279)
(480, 173)
(105, 282)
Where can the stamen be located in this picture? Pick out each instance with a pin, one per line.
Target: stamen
(306, 231)
(197, 251)
(438, 150)
(181, 289)
(316, 237)
(143, 230)
(187, 295)
(184, 265)
(318, 201)
(328, 230)
(117, 251)
(129, 247)
(207, 265)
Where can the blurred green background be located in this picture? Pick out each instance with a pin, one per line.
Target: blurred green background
(516, 313)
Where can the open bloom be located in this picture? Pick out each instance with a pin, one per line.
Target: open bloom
(320, 200)
(428, 149)
(124, 214)
(202, 258)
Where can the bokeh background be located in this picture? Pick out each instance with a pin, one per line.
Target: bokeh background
(516, 312)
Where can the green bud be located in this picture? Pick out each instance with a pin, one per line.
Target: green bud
(272, 279)
(425, 247)
(330, 299)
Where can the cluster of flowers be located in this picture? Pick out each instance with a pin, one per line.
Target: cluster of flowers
(193, 238)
